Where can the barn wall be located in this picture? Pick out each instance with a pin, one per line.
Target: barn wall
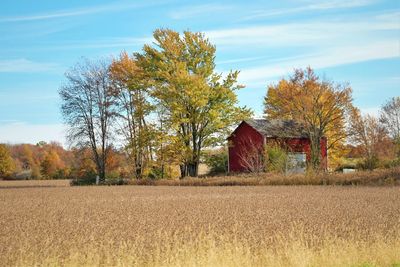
(303, 145)
(239, 142)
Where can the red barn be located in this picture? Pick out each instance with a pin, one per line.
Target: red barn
(247, 142)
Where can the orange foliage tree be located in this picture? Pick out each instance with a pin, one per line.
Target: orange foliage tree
(132, 91)
(321, 106)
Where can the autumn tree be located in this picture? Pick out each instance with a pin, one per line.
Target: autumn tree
(30, 161)
(134, 105)
(319, 105)
(199, 103)
(51, 165)
(84, 166)
(6, 162)
(390, 119)
(88, 108)
(371, 137)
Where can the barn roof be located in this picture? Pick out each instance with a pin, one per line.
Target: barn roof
(277, 128)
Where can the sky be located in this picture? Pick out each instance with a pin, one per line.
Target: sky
(355, 42)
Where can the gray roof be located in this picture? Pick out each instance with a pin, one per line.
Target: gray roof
(277, 128)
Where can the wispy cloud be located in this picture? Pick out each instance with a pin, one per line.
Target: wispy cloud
(101, 43)
(24, 65)
(196, 10)
(239, 60)
(328, 42)
(303, 33)
(325, 58)
(118, 6)
(316, 6)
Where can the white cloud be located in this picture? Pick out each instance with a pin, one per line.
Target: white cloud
(333, 43)
(118, 6)
(102, 43)
(316, 6)
(325, 58)
(298, 34)
(336, 4)
(24, 65)
(17, 132)
(188, 12)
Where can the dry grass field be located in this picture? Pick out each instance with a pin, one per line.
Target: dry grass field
(51, 224)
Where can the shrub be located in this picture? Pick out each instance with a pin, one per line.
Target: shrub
(275, 159)
(89, 178)
(369, 164)
(217, 161)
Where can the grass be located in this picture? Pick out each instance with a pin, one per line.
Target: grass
(210, 250)
(377, 177)
(198, 226)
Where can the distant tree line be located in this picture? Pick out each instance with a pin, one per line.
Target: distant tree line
(52, 161)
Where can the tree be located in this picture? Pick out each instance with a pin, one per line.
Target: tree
(199, 103)
(371, 136)
(390, 119)
(6, 162)
(84, 166)
(319, 105)
(252, 156)
(134, 107)
(88, 107)
(51, 165)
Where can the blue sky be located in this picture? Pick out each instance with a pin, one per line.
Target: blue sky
(346, 41)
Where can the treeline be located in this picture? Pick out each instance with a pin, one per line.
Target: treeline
(52, 161)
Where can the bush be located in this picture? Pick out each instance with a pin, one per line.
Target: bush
(217, 161)
(88, 179)
(275, 159)
(369, 164)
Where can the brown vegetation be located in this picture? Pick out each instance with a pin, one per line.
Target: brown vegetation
(187, 226)
(377, 177)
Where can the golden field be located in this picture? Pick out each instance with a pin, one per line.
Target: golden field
(48, 223)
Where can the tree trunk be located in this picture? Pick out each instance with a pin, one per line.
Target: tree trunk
(315, 152)
(193, 169)
(184, 171)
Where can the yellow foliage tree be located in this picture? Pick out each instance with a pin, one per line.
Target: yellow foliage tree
(198, 104)
(6, 162)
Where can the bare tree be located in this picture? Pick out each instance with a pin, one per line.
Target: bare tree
(390, 118)
(251, 156)
(88, 103)
(371, 136)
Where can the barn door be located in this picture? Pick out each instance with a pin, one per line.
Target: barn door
(296, 163)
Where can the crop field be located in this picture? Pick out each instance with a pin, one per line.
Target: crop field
(51, 224)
